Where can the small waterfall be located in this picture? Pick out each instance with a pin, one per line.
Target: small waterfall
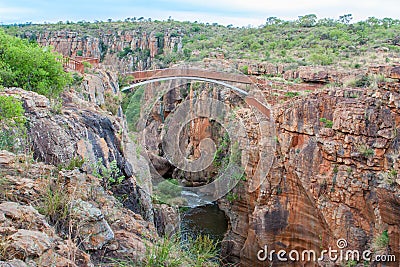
(193, 199)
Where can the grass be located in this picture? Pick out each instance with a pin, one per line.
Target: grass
(366, 151)
(381, 241)
(327, 123)
(201, 251)
(55, 205)
(4, 187)
(75, 162)
(292, 94)
(165, 252)
(109, 176)
(390, 177)
(3, 249)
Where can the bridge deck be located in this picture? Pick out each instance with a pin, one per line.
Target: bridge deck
(187, 72)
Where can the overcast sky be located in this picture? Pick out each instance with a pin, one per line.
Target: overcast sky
(236, 12)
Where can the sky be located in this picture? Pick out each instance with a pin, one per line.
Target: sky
(236, 12)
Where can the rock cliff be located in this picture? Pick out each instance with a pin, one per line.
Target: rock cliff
(113, 47)
(334, 176)
(89, 220)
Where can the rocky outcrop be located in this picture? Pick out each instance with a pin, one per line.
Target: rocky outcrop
(335, 172)
(304, 73)
(329, 180)
(106, 45)
(84, 133)
(97, 227)
(27, 238)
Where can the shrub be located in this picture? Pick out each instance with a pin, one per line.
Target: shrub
(231, 197)
(31, 67)
(132, 110)
(55, 205)
(126, 51)
(87, 65)
(292, 94)
(327, 123)
(365, 151)
(110, 176)
(390, 177)
(168, 188)
(112, 103)
(75, 162)
(363, 82)
(245, 69)
(12, 124)
(202, 249)
(321, 59)
(381, 242)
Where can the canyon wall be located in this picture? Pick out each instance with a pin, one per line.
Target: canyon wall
(107, 46)
(328, 181)
(334, 175)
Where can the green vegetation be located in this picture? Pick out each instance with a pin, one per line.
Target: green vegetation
(168, 188)
(131, 106)
(168, 191)
(292, 94)
(199, 252)
(245, 69)
(362, 82)
(366, 151)
(390, 177)
(327, 123)
(221, 157)
(110, 176)
(75, 162)
(351, 263)
(165, 252)
(202, 250)
(381, 242)
(231, 197)
(307, 40)
(12, 124)
(27, 65)
(335, 169)
(112, 102)
(55, 205)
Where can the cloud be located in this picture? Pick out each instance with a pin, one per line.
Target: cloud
(12, 13)
(291, 9)
(236, 12)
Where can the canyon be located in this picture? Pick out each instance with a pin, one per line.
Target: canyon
(333, 169)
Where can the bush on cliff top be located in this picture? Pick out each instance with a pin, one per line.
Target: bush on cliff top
(31, 67)
(12, 124)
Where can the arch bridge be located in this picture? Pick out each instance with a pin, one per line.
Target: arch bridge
(217, 77)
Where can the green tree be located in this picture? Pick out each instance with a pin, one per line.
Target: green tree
(31, 67)
(12, 124)
(308, 20)
(345, 19)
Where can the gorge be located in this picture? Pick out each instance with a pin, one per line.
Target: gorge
(329, 148)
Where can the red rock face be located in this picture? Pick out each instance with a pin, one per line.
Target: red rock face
(329, 181)
(395, 73)
(334, 174)
(74, 44)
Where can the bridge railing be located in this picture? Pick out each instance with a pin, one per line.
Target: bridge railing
(77, 63)
(187, 72)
